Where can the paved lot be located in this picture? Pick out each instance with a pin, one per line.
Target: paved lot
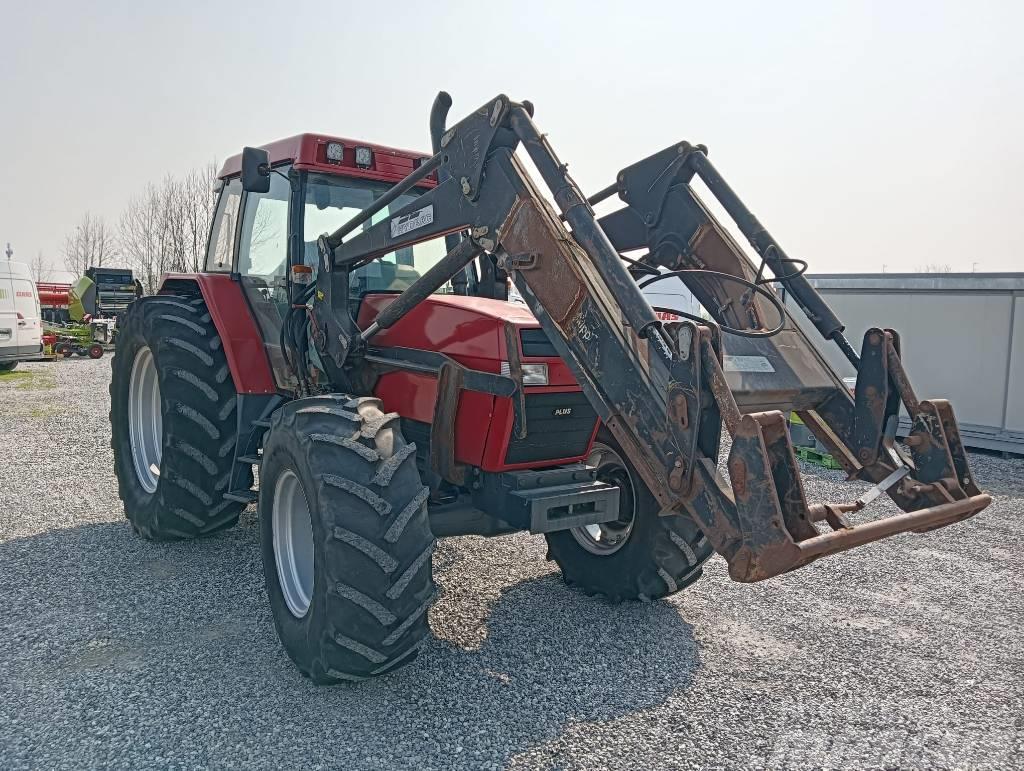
(118, 652)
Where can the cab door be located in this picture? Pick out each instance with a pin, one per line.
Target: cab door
(262, 265)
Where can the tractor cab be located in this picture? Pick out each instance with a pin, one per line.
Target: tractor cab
(270, 214)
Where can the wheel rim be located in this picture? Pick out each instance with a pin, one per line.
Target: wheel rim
(607, 538)
(293, 543)
(145, 420)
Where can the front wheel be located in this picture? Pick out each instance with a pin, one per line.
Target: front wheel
(8, 366)
(641, 555)
(345, 538)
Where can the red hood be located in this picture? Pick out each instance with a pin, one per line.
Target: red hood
(469, 329)
(515, 313)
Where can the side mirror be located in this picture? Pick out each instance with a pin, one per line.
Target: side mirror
(255, 170)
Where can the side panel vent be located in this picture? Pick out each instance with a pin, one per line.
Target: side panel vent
(536, 343)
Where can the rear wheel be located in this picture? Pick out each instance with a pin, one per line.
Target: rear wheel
(8, 366)
(640, 556)
(95, 351)
(63, 349)
(172, 416)
(345, 539)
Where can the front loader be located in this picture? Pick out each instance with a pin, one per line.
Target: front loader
(349, 508)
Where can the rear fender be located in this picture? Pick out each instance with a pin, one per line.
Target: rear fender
(243, 345)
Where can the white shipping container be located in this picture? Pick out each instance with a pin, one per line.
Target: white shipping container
(962, 337)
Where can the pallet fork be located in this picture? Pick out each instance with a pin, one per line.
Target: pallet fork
(666, 390)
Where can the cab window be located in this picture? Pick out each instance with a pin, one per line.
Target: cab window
(333, 201)
(222, 235)
(262, 263)
(263, 245)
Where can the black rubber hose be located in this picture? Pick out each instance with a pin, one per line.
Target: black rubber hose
(752, 285)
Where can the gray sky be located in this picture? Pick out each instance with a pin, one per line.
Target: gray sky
(861, 134)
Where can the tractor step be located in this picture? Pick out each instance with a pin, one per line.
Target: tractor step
(818, 458)
(253, 421)
(243, 496)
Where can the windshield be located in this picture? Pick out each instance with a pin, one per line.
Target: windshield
(333, 201)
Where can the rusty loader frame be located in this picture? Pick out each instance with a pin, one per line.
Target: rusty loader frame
(666, 389)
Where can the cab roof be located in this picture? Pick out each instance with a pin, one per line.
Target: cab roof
(309, 151)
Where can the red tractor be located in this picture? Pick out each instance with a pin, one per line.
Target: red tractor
(352, 338)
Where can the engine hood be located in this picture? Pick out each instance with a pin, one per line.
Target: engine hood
(471, 330)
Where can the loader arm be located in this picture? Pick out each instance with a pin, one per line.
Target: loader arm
(665, 391)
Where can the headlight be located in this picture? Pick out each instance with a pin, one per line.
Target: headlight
(335, 152)
(364, 157)
(535, 374)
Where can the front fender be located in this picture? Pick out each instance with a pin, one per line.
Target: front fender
(243, 344)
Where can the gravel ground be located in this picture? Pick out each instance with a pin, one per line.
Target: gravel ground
(122, 653)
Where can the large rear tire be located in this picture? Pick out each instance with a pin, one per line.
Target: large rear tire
(8, 366)
(346, 543)
(172, 417)
(642, 556)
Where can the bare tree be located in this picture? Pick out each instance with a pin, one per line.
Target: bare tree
(91, 244)
(141, 234)
(151, 232)
(199, 202)
(172, 224)
(165, 228)
(40, 268)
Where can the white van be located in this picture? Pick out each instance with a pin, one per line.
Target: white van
(21, 333)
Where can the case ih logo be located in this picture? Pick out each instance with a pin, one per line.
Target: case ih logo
(561, 412)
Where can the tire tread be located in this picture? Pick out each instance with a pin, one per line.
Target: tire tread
(377, 573)
(198, 403)
(671, 560)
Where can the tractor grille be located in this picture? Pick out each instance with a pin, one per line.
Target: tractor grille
(558, 425)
